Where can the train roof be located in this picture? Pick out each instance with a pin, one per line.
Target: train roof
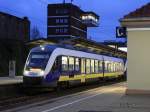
(51, 48)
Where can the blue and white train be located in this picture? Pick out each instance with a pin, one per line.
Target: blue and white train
(53, 65)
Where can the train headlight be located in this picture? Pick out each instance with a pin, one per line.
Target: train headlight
(26, 72)
(42, 73)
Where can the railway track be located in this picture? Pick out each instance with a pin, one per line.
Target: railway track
(24, 99)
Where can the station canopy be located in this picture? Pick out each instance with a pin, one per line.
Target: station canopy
(81, 43)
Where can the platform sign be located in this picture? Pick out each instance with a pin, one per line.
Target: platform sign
(121, 32)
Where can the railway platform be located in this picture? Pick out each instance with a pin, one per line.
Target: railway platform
(110, 98)
(9, 86)
(10, 80)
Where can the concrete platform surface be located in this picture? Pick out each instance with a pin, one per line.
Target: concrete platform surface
(9, 80)
(110, 98)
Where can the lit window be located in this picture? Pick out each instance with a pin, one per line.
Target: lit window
(112, 67)
(71, 63)
(117, 67)
(64, 63)
(100, 66)
(82, 65)
(106, 66)
(96, 66)
(92, 66)
(88, 66)
(77, 64)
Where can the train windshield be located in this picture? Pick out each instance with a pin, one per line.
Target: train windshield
(38, 60)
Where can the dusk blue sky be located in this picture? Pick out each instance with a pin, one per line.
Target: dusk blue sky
(110, 11)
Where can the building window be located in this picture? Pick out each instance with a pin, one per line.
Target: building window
(64, 63)
(77, 64)
(88, 66)
(82, 65)
(61, 30)
(65, 21)
(71, 63)
(96, 66)
(62, 11)
(92, 66)
(65, 30)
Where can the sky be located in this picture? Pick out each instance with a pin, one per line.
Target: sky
(110, 11)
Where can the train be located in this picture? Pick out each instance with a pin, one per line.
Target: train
(56, 65)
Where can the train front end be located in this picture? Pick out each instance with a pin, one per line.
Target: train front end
(35, 67)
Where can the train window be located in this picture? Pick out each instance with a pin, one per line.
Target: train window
(112, 67)
(77, 64)
(120, 67)
(64, 63)
(71, 63)
(82, 65)
(117, 67)
(106, 66)
(92, 66)
(109, 67)
(96, 66)
(100, 66)
(88, 65)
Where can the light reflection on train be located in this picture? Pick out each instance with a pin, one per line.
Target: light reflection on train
(53, 65)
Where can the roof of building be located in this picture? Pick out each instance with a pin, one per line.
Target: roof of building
(141, 12)
(6, 14)
(63, 5)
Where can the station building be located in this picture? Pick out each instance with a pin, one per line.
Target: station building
(14, 32)
(138, 30)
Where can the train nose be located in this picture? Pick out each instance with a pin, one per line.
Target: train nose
(32, 80)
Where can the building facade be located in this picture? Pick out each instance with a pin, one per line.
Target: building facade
(14, 32)
(67, 21)
(138, 30)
